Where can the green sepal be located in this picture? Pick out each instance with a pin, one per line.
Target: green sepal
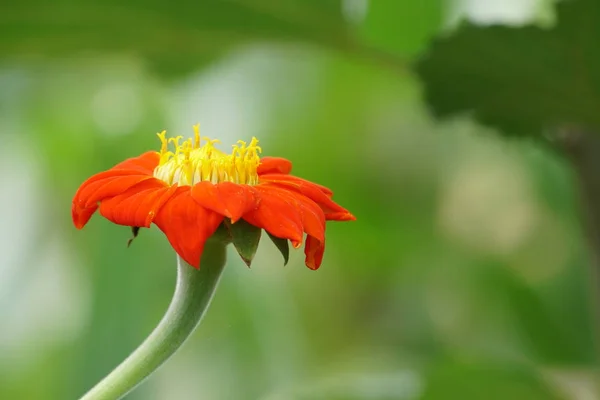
(283, 246)
(245, 238)
(135, 230)
(221, 235)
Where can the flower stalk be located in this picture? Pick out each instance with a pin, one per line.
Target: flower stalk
(193, 293)
(202, 199)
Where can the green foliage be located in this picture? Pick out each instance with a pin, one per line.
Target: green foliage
(401, 28)
(521, 80)
(173, 39)
(458, 380)
(177, 40)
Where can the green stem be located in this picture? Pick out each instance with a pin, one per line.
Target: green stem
(193, 293)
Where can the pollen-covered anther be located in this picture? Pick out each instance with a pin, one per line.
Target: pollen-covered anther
(193, 162)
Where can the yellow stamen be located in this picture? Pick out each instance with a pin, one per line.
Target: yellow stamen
(196, 136)
(163, 141)
(192, 162)
(175, 142)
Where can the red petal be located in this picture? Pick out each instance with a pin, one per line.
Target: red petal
(277, 214)
(313, 250)
(146, 163)
(333, 211)
(281, 178)
(274, 165)
(313, 218)
(99, 187)
(81, 215)
(187, 225)
(339, 216)
(313, 221)
(84, 191)
(228, 199)
(138, 205)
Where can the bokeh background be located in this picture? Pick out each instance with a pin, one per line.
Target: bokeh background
(464, 277)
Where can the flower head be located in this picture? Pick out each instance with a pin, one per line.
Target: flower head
(193, 190)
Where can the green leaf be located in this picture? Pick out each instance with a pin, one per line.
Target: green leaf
(542, 328)
(283, 246)
(486, 380)
(521, 80)
(401, 28)
(175, 39)
(245, 238)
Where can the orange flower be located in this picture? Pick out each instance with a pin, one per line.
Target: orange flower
(188, 194)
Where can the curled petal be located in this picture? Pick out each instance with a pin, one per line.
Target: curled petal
(277, 214)
(314, 250)
(187, 225)
(229, 199)
(144, 164)
(86, 194)
(99, 187)
(274, 165)
(332, 210)
(291, 179)
(313, 218)
(81, 215)
(138, 205)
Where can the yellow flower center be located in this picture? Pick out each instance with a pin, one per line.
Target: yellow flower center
(192, 162)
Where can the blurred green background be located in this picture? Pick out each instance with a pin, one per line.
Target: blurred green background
(464, 277)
